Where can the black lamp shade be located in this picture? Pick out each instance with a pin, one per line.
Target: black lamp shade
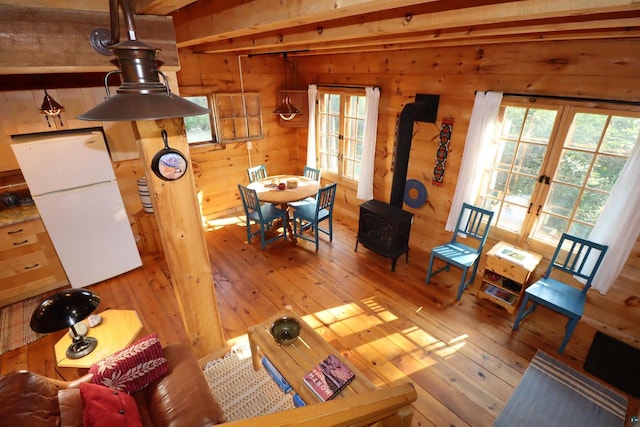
(63, 310)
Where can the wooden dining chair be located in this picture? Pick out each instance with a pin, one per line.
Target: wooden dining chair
(257, 173)
(263, 215)
(474, 224)
(578, 258)
(309, 216)
(312, 173)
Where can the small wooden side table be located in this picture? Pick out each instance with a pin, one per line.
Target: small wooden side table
(118, 329)
(507, 274)
(293, 360)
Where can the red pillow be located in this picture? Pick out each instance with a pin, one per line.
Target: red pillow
(104, 407)
(132, 368)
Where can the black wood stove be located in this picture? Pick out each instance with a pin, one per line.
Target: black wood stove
(384, 227)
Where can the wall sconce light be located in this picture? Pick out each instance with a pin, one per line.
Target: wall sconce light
(50, 108)
(141, 95)
(286, 110)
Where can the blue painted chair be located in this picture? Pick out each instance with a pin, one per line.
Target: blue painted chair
(474, 224)
(577, 257)
(263, 215)
(312, 173)
(309, 216)
(257, 173)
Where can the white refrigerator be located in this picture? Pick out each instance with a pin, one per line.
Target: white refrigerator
(71, 180)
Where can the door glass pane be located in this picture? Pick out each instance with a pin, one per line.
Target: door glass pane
(587, 131)
(621, 135)
(562, 199)
(590, 206)
(605, 173)
(538, 125)
(549, 228)
(529, 158)
(573, 167)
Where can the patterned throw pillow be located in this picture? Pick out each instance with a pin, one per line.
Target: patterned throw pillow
(132, 368)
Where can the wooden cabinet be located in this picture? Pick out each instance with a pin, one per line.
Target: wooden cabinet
(507, 274)
(29, 265)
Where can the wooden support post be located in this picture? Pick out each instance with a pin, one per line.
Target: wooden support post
(182, 236)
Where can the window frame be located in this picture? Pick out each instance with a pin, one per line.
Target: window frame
(186, 120)
(567, 109)
(349, 119)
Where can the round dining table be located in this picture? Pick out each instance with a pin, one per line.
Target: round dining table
(268, 191)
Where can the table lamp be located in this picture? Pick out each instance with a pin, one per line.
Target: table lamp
(64, 310)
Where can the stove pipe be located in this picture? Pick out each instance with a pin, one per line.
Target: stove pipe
(423, 110)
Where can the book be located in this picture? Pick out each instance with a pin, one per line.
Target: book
(501, 294)
(328, 378)
(276, 375)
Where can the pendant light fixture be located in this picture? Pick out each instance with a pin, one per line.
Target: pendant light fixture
(141, 95)
(286, 110)
(50, 108)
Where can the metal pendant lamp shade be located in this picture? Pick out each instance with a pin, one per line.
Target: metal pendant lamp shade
(49, 105)
(64, 310)
(286, 110)
(141, 95)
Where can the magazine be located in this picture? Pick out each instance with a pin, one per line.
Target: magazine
(329, 378)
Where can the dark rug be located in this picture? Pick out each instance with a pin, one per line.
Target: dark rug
(551, 394)
(614, 362)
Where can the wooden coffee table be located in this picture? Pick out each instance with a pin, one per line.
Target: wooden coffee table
(293, 360)
(118, 329)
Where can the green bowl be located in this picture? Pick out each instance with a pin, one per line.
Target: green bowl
(285, 330)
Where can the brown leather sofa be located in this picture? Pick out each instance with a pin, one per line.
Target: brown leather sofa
(181, 398)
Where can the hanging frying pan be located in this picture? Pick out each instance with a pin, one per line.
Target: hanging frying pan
(168, 164)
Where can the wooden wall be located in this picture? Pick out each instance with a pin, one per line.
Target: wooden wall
(594, 69)
(220, 168)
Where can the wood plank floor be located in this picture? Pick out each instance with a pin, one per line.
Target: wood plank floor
(463, 357)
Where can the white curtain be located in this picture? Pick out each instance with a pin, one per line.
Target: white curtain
(312, 92)
(619, 223)
(479, 136)
(365, 180)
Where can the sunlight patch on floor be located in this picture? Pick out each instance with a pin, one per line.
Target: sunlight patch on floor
(362, 327)
(215, 224)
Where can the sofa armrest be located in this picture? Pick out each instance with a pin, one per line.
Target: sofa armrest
(28, 399)
(182, 397)
(389, 406)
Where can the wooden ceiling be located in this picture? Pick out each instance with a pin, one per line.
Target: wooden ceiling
(330, 26)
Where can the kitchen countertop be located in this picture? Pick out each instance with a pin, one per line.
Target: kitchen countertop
(16, 214)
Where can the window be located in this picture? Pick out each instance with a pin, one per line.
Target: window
(238, 117)
(341, 123)
(198, 128)
(552, 168)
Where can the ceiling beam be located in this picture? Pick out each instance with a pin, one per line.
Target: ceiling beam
(40, 40)
(356, 30)
(203, 21)
(591, 29)
(158, 7)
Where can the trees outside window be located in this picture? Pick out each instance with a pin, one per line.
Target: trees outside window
(198, 128)
(340, 132)
(552, 168)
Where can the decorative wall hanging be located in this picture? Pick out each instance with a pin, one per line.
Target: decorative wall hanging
(395, 142)
(168, 164)
(443, 151)
(415, 193)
